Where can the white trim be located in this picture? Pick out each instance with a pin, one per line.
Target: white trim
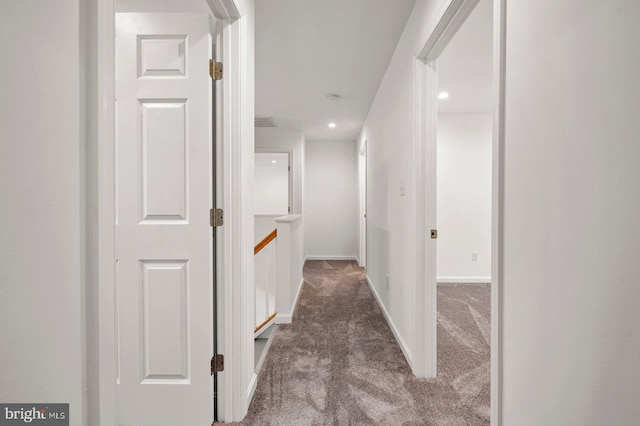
(464, 280)
(424, 301)
(444, 26)
(363, 149)
(225, 9)
(236, 334)
(284, 318)
(324, 257)
(362, 204)
(497, 208)
(448, 19)
(254, 379)
(288, 318)
(396, 333)
(107, 360)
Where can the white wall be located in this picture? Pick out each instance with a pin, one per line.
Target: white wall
(391, 217)
(572, 201)
(331, 205)
(41, 231)
(273, 139)
(263, 226)
(464, 197)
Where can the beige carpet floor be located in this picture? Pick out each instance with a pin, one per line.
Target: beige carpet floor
(338, 363)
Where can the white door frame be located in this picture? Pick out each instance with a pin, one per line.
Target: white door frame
(233, 398)
(362, 259)
(446, 22)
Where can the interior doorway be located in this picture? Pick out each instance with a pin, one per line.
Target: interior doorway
(273, 189)
(452, 19)
(464, 138)
(165, 257)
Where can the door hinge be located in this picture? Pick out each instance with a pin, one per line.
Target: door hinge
(215, 217)
(215, 69)
(217, 363)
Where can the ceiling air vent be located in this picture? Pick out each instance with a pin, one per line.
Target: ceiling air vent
(265, 122)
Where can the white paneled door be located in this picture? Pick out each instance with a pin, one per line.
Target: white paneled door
(164, 192)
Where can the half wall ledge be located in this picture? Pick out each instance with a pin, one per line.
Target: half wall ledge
(289, 263)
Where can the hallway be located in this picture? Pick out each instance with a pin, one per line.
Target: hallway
(339, 363)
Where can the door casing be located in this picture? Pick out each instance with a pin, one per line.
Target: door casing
(362, 260)
(449, 18)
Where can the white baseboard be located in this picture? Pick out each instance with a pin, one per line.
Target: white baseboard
(251, 390)
(464, 280)
(287, 318)
(403, 345)
(284, 319)
(330, 258)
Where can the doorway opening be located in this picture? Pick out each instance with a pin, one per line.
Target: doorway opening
(464, 137)
(272, 183)
(459, 145)
(273, 192)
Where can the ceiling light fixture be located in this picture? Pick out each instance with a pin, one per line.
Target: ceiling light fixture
(274, 161)
(332, 125)
(443, 95)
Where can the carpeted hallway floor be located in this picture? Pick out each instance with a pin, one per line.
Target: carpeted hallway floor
(338, 363)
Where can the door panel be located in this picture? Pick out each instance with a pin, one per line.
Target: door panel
(163, 238)
(164, 146)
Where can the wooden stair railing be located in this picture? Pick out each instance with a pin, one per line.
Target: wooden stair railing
(262, 244)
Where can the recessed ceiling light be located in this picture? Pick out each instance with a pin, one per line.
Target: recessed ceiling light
(443, 95)
(332, 125)
(274, 161)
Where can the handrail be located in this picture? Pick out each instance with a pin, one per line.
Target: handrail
(265, 322)
(262, 244)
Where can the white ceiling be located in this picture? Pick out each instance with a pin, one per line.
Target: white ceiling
(465, 65)
(308, 49)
